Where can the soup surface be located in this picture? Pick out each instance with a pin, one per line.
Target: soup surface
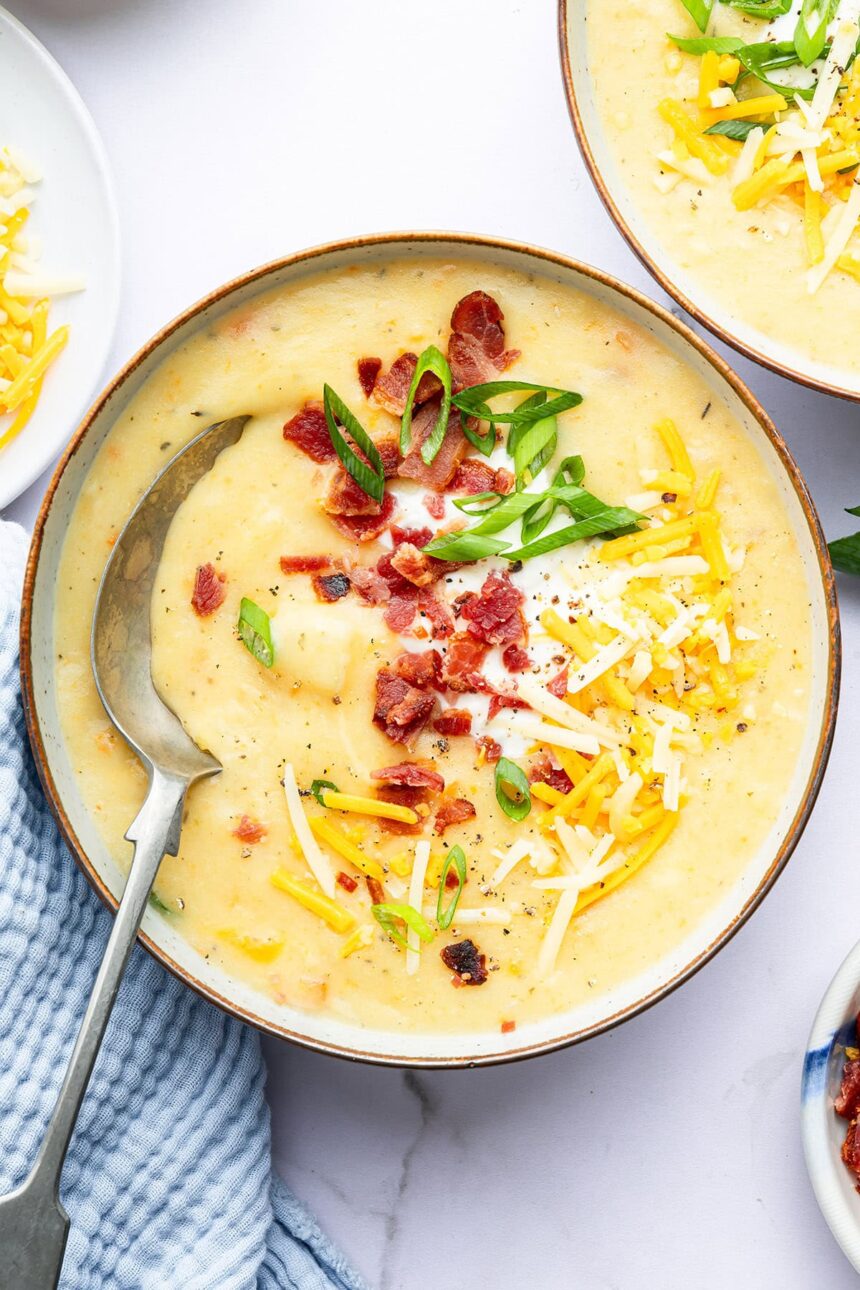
(764, 225)
(647, 692)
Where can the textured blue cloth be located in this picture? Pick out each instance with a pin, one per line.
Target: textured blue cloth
(168, 1182)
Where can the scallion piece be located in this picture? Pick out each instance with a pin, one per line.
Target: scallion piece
(699, 11)
(759, 8)
(391, 916)
(370, 478)
(738, 130)
(455, 856)
(255, 632)
(478, 503)
(317, 789)
(473, 402)
(810, 34)
(513, 792)
(570, 473)
(765, 57)
(707, 44)
(464, 545)
(432, 360)
(612, 520)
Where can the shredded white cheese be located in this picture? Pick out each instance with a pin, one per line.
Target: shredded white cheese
(416, 900)
(317, 862)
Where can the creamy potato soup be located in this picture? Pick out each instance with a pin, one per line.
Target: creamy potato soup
(503, 712)
(738, 139)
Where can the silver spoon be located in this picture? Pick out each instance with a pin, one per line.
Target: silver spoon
(33, 1224)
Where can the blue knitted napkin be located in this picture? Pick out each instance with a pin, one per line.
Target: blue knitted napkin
(168, 1182)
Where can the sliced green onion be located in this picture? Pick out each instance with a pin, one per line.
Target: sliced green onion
(317, 789)
(739, 130)
(464, 545)
(478, 503)
(517, 432)
(456, 857)
(513, 792)
(255, 631)
(699, 11)
(534, 446)
(473, 402)
(760, 8)
(485, 443)
(810, 34)
(509, 509)
(611, 521)
(391, 916)
(370, 478)
(432, 360)
(571, 472)
(707, 44)
(768, 56)
(157, 903)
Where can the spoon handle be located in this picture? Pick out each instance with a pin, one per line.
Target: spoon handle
(33, 1223)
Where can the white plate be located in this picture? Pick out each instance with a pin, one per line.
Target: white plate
(75, 216)
(822, 1129)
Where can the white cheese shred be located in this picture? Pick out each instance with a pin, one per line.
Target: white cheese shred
(416, 900)
(317, 862)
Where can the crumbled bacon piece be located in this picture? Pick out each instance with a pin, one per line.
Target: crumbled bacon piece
(363, 528)
(516, 659)
(346, 881)
(441, 470)
(453, 721)
(389, 452)
(438, 615)
(507, 1027)
(466, 960)
(370, 585)
(495, 614)
(499, 700)
(461, 666)
(558, 685)
(851, 1147)
(391, 389)
(411, 774)
(476, 348)
(452, 879)
(248, 830)
(344, 497)
(435, 505)
(331, 586)
(401, 710)
(308, 430)
(400, 614)
(505, 481)
(368, 370)
(305, 563)
(542, 771)
(847, 1102)
(418, 537)
(413, 564)
(403, 795)
(208, 591)
(374, 886)
(421, 670)
(491, 749)
(454, 810)
(474, 476)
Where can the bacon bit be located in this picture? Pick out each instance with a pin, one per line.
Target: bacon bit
(435, 505)
(466, 961)
(441, 622)
(441, 470)
(368, 370)
(455, 810)
(332, 586)
(344, 497)
(499, 700)
(558, 685)
(411, 774)
(308, 430)
(370, 585)
(346, 881)
(392, 389)
(475, 476)
(491, 749)
(208, 591)
(413, 564)
(476, 348)
(516, 659)
(452, 879)
(305, 563)
(542, 771)
(364, 528)
(851, 1147)
(374, 886)
(494, 614)
(453, 721)
(505, 482)
(401, 710)
(400, 613)
(389, 451)
(508, 1026)
(418, 537)
(421, 670)
(461, 666)
(403, 795)
(847, 1103)
(248, 830)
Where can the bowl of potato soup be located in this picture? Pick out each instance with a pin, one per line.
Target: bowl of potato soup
(508, 617)
(724, 140)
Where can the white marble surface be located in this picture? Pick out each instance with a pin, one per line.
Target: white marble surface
(667, 1154)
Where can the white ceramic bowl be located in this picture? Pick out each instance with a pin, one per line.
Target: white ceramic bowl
(38, 652)
(822, 1129)
(75, 215)
(644, 238)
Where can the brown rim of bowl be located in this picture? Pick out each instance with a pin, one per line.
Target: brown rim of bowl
(552, 259)
(781, 369)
